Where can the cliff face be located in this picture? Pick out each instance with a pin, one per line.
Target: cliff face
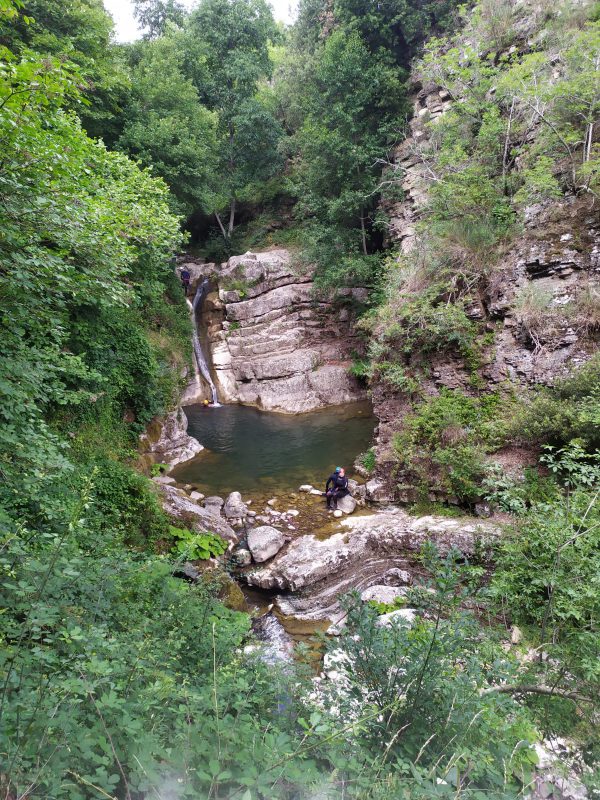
(272, 343)
(539, 308)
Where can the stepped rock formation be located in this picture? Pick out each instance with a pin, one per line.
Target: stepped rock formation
(272, 343)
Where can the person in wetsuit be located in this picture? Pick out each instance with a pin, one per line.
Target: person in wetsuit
(185, 280)
(336, 487)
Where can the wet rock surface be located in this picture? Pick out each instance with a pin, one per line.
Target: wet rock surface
(312, 573)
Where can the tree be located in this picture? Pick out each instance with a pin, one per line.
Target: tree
(167, 128)
(235, 35)
(154, 15)
(79, 32)
(355, 102)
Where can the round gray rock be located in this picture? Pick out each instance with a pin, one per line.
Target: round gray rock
(264, 542)
(382, 594)
(346, 504)
(234, 507)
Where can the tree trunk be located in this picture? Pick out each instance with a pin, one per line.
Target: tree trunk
(363, 232)
(231, 218)
(221, 226)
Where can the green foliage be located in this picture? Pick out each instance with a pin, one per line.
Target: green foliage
(155, 15)
(568, 410)
(79, 33)
(368, 460)
(442, 443)
(234, 37)
(80, 226)
(353, 99)
(547, 575)
(418, 679)
(192, 546)
(167, 128)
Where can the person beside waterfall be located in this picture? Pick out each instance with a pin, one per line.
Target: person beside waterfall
(336, 487)
(185, 281)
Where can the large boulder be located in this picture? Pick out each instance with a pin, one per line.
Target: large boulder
(178, 505)
(264, 542)
(234, 507)
(166, 440)
(213, 505)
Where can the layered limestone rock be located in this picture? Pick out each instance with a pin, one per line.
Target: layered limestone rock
(273, 344)
(377, 550)
(166, 441)
(553, 265)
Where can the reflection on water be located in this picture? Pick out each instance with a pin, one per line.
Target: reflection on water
(254, 451)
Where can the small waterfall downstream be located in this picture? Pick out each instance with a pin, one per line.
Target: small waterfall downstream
(201, 361)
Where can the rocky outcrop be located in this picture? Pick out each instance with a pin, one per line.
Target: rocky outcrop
(273, 343)
(540, 304)
(166, 440)
(178, 505)
(376, 550)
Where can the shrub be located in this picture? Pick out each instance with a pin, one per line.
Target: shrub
(443, 441)
(192, 546)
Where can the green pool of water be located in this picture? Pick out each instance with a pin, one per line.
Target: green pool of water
(252, 451)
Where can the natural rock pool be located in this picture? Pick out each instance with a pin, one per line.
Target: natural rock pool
(252, 451)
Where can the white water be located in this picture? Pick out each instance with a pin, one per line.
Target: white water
(201, 361)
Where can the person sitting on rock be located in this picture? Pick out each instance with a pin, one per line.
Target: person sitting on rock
(336, 487)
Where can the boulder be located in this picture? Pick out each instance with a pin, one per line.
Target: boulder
(178, 505)
(164, 480)
(377, 491)
(306, 487)
(197, 496)
(338, 513)
(397, 577)
(166, 440)
(402, 617)
(382, 594)
(242, 557)
(346, 504)
(234, 507)
(264, 542)
(214, 505)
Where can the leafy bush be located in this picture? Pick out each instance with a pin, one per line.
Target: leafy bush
(368, 460)
(194, 546)
(568, 410)
(443, 441)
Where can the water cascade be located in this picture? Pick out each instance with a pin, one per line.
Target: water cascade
(201, 361)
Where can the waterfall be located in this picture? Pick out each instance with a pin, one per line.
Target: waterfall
(201, 293)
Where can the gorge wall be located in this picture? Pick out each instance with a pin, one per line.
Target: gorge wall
(538, 309)
(272, 343)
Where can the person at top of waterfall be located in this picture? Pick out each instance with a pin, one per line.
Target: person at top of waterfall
(185, 280)
(336, 487)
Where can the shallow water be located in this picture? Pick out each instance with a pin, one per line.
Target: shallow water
(253, 451)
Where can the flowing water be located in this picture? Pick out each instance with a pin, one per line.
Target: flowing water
(256, 452)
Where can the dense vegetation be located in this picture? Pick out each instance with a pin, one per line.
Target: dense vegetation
(116, 678)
